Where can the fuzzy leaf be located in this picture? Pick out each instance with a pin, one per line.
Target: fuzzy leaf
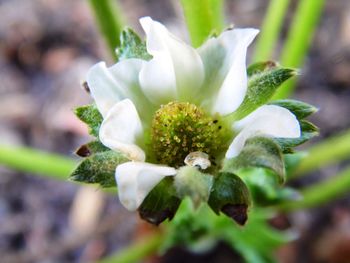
(91, 148)
(258, 152)
(131, 46)
(91, 116)
(264, 80)
(300, 109)
(231, 196)
(99, 168)
(308, 131)
(161, 203)
(259, 67)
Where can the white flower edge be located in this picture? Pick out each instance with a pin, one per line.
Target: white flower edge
(121, 129)
(176, 70)
(136, 179)
(224, 61)
(268, 120)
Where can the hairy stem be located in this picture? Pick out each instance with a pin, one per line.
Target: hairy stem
(137, 251)
(203, 17)
(270, 29)
(327, 152)
(38, 162)
(299, 39)
(109, 20)
(321, 193)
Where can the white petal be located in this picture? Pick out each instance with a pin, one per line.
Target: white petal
(121, 129)
(176, 69)
(103, 87)
(136, 179)
(110, 85)
(268, 120)
(224, 60)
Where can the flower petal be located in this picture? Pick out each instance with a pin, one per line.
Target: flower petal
(136, 179)
(267, 120)
(176, 70)
(224, 60)
(121, 129)
(110, 85)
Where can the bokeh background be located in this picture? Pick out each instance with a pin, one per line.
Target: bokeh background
(46, 48)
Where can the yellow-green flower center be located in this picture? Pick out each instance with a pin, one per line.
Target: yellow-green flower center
(180, 128)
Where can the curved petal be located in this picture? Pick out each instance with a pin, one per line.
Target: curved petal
(136, 179)
(103, 87)
(267, 120)
(224, 61)
(110, 85)
(121, 129)
(176, 70)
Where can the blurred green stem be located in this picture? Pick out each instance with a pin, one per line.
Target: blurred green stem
(299, 39)
(203, 17)
(321, 193)
(137, 251)
(327, 152)
(270, 29)
(38, 162)
(109, 20)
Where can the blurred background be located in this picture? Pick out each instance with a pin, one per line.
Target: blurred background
(46, 48)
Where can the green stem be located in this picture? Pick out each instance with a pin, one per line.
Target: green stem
(270, 29)
(203, 17)
(37, 162)
(137, 251)
(299, 39)
(321, 193)
(109, 20)
(327, 152)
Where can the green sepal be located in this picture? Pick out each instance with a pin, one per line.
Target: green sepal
(264, 80)
(259, 67)
(189, 181)
(264, 188)
(258, 152)
(91, 148)
(230, 196)
(99, 168)
(308, 131)
(300, 109)
(161, 203)
(90, 115)
(131, 46)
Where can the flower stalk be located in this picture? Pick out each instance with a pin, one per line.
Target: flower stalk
(109, 20)
(203, 18)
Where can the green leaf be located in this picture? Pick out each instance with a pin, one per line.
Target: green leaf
(308, 131)
(300, 109)
(231, 196)
(258, 152)
(161, 203)
(99, 168)
(91, 148)
(131, 46)
(189, 181)
(264, 80)
(91, 116)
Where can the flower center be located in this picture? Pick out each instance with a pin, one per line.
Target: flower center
(180, 128)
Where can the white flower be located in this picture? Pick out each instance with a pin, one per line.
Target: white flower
(213, 77)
